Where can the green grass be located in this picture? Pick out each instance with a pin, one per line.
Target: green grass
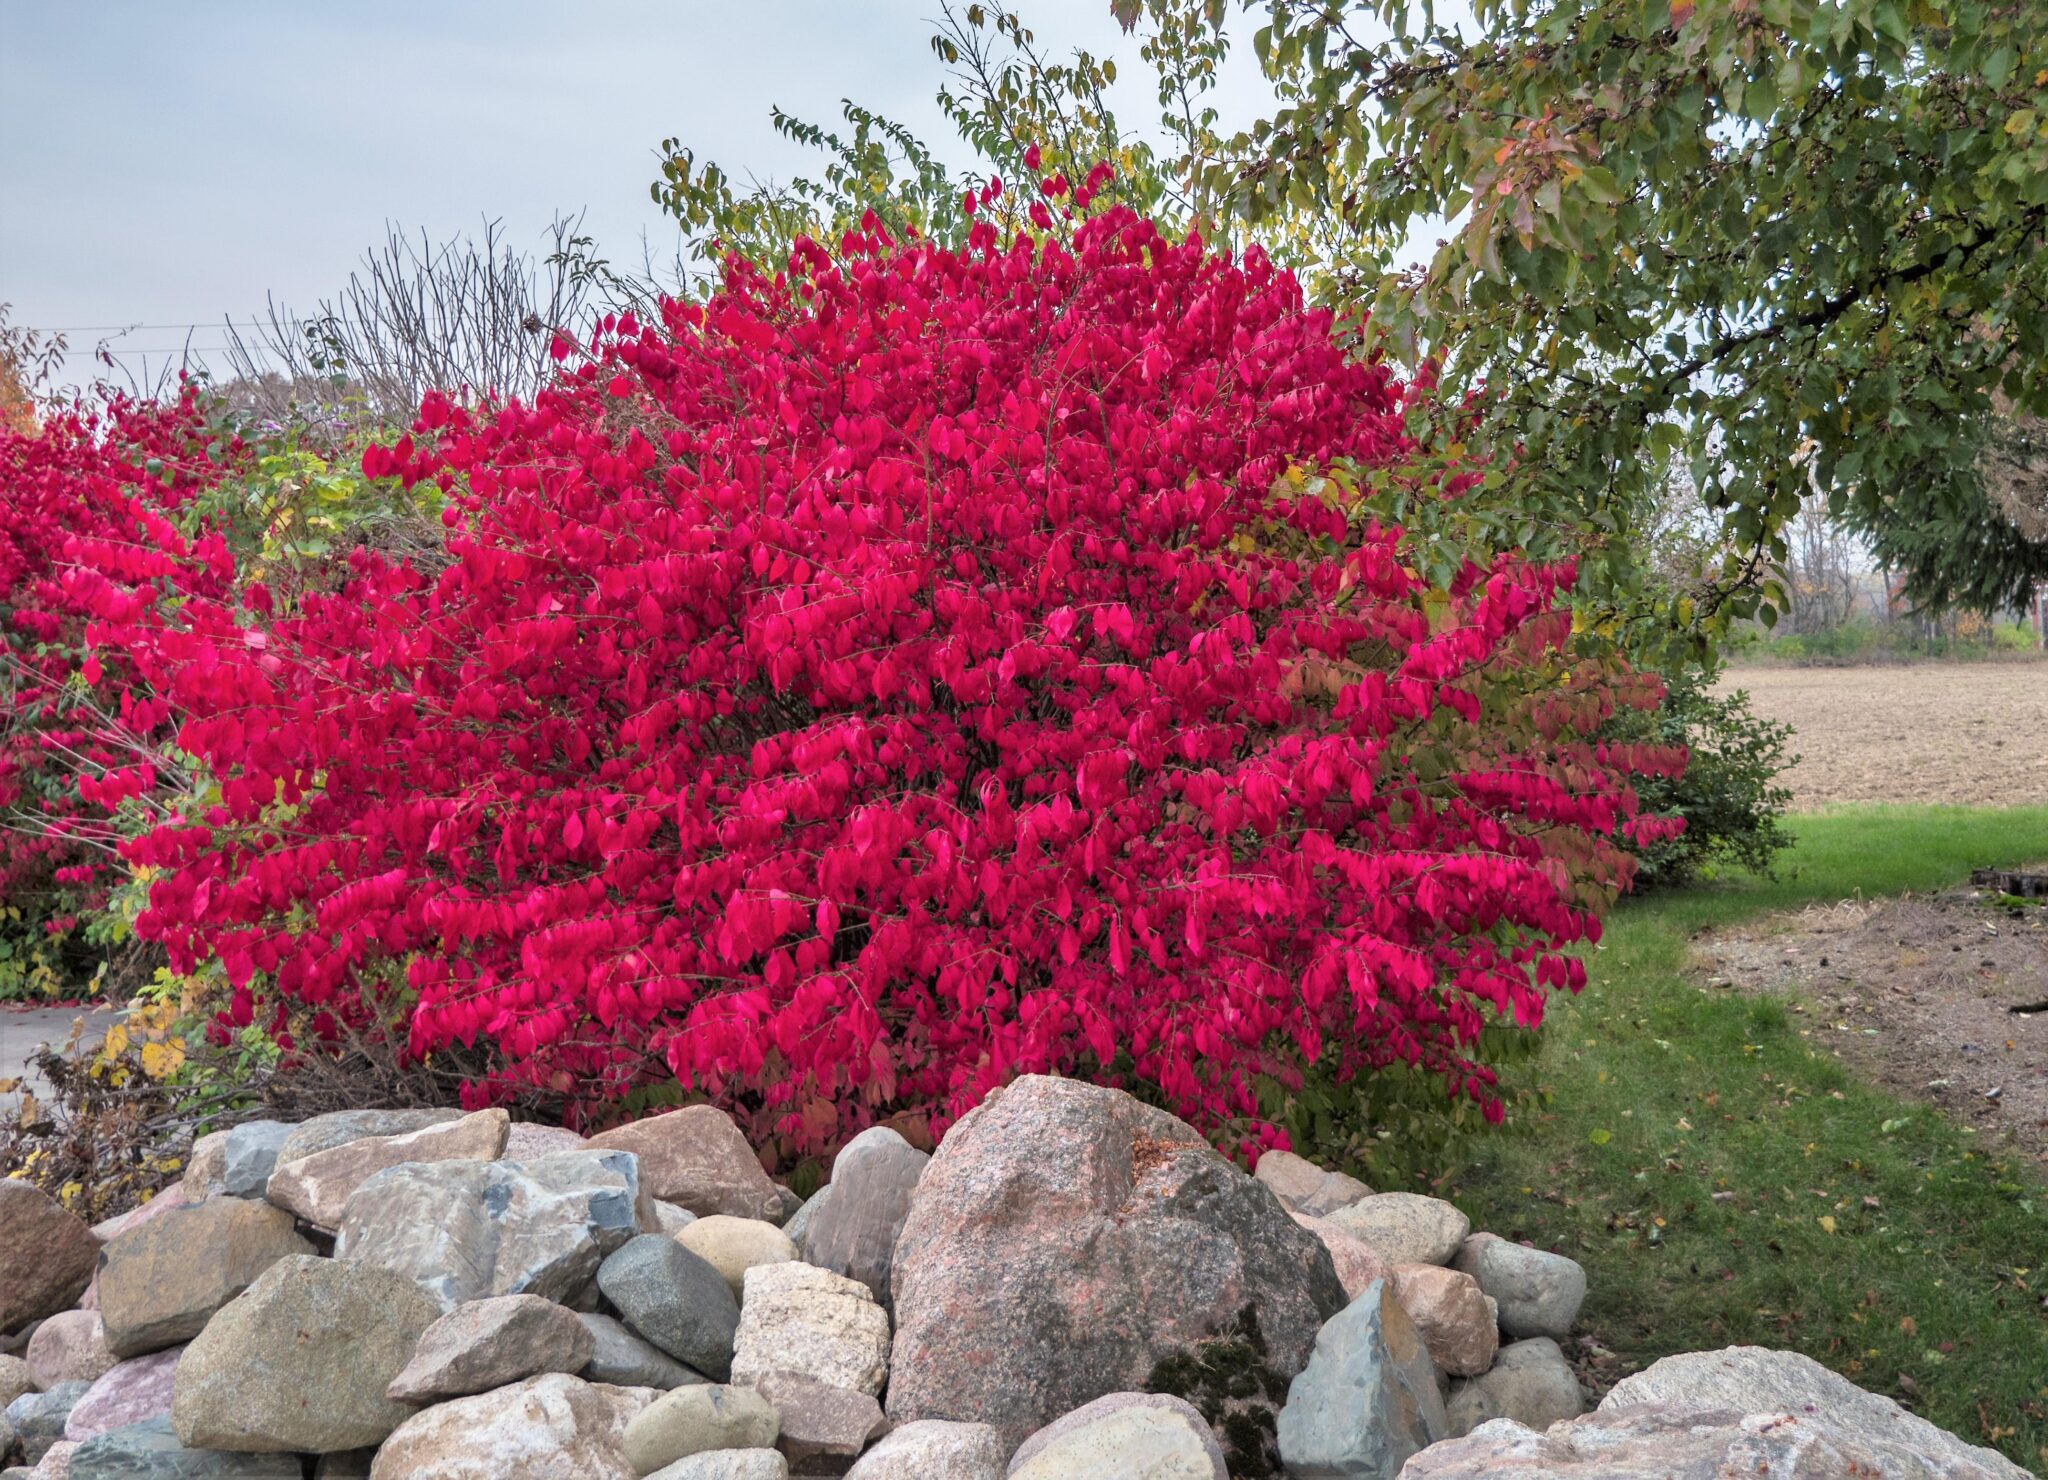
(1866, 1231)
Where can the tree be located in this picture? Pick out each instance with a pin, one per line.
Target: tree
(1720, 228)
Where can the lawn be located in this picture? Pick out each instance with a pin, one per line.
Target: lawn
(1725, 1181)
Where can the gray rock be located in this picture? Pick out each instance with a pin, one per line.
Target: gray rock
(618, 1356)
(131, 1392)
(70, 1346)
(670, 1219)
(798, 1228)
(1757, 1380)
(350, 1464)
(249, 1156)
(697, 1159)
(323, 1132)
(1306, 1187)
(468, 1229)
(674, 1299)
(552, 1427)
(1539, 1293)
(46, 1255)
(799, 1319)
(301, 1360)
(150, 1451)
(316, 1188)
(206, 1167)
(855, 1233)
(38, 1418)
(823, 1427)
(1669, 1442)
(932, 1449)
(694, 1420)
(160, 1283)
(727, 1464)
(1131, 1436)
(1405, 1227)
(1368, 1398)
(1065, 1239)
(493, 1343)
(1530, 1383)
(790, 1199)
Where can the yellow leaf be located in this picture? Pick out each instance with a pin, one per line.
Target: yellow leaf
(162, 1060)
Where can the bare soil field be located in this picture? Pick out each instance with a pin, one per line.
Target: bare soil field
(1971, 734)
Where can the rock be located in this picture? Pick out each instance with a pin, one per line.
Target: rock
(317, 1187)
(1356, 1264)
(675, 1300)
(1368, 1398)
(670, 1219)
(55, 1463)
(350, 1464)
(492, 1343)
(15, 1379)
(799, 1225)
(301, 1360)
(696, 1158)
(1123, 1436)
(790, 1200)
(70, 1346)
(149, 1450)
(323, 1132)
(467, 1229)
(1305, 1187)
(823, 1427)
(855, 1234)
(249, 1156)
(131, 1392)
(1670, 1442)
(727, 1464)
(552, 1427)
(732, 1246)
(693, 1420)
(160, 1283)
(1756, 1380)
(1455, 1318)
(812, 1323)
(1065, 1239)
(618, 1356)
(46, 1255)
(527, 1141)
(1405, 1227)
(932, 1449)
(206, 1167)
(174, 1196)
(1530, 1383)
(1539, 1293)
(38, 1418)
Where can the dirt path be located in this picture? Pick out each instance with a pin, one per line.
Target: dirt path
(1974, 734)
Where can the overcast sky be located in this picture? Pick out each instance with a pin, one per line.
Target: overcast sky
(166, 164)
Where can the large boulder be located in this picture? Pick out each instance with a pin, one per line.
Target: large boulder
(70, 1346)
(1457, 1321)
(1368, 1398)
(302, 1360)
(249, 1156)
(338, 1128)
(932, 1449)
(675, 1300)
(468, 1229)
(160, 1283)
(618, 1356)
(150, 1450)
(1539, 1293)
(1131, 1436)
(855, 1233)
(696, 1158)
(46, 1255)
(552, 1427)
(1678, 1442)
(1405, 1227)
(493, 1343)
(131, 1392)
(732, 1246)
(1757, 1380)
(1065, 1240)
(1530, 1383)
(1306, 1187)
(696, 1420)
(810, 1322)
(316, 1188)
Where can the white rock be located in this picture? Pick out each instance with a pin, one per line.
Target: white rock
(554, 1427)
(1124, 1436)
(1405, 1227)
(933, 1449)
(813, 1323)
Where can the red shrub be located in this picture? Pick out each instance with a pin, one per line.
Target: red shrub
(877, 682)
